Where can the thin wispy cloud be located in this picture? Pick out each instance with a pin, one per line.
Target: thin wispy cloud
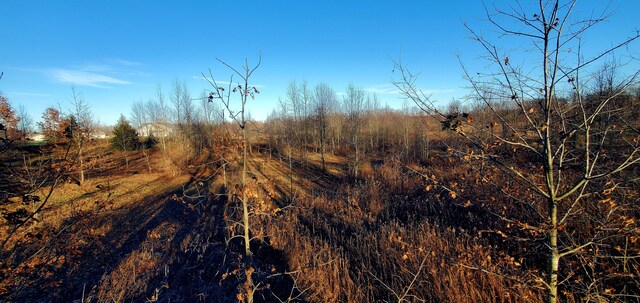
(104, 73)
(122, 67)
(124, 62)
(96, 68)
(383, 89)
(86, 78)
(205, 78)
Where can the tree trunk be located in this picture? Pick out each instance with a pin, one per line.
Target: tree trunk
(146, 156)
(355, 160)
(322, 148)
(245, 204)
(126, 159)
(554, 256)
(333, 146)
(290, 174)
(224, 177)
(81, 163)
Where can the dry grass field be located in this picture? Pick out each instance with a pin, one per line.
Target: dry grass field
(164, 224)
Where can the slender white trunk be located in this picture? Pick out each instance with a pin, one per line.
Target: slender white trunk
(81, 163)
(245, 204)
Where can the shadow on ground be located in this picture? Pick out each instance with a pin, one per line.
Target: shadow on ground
(168, 247)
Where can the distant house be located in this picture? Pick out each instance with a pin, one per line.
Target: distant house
(100, 135)
(37, 137)
(157, 129)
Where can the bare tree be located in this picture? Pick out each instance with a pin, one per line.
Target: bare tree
(153, 111)
(244, 91)
(306, 101)
(83, 128)
(325, 100)
(295, 109)
(210, 112)
(143, 116)
(188, 107)
(25, 122)
(373, 112)
(353, 106)
(158, 112)
(178, 101)
(405, 128)
(139, 114)
(549, 118)
(287, 120)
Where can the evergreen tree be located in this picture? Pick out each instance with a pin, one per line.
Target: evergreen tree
(125, 137)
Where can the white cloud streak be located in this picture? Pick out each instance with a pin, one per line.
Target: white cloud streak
(125, 62)
(383, 89)
(86, 78)
(205, 78)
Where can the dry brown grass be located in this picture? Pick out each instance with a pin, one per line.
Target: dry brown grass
(362, 242)
(132, 277)
(425, 231)
(81, 226)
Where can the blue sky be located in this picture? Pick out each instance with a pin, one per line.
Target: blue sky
(117, 52)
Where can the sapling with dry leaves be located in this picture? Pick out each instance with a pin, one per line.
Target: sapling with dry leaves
(553, 106)
(243, 91)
